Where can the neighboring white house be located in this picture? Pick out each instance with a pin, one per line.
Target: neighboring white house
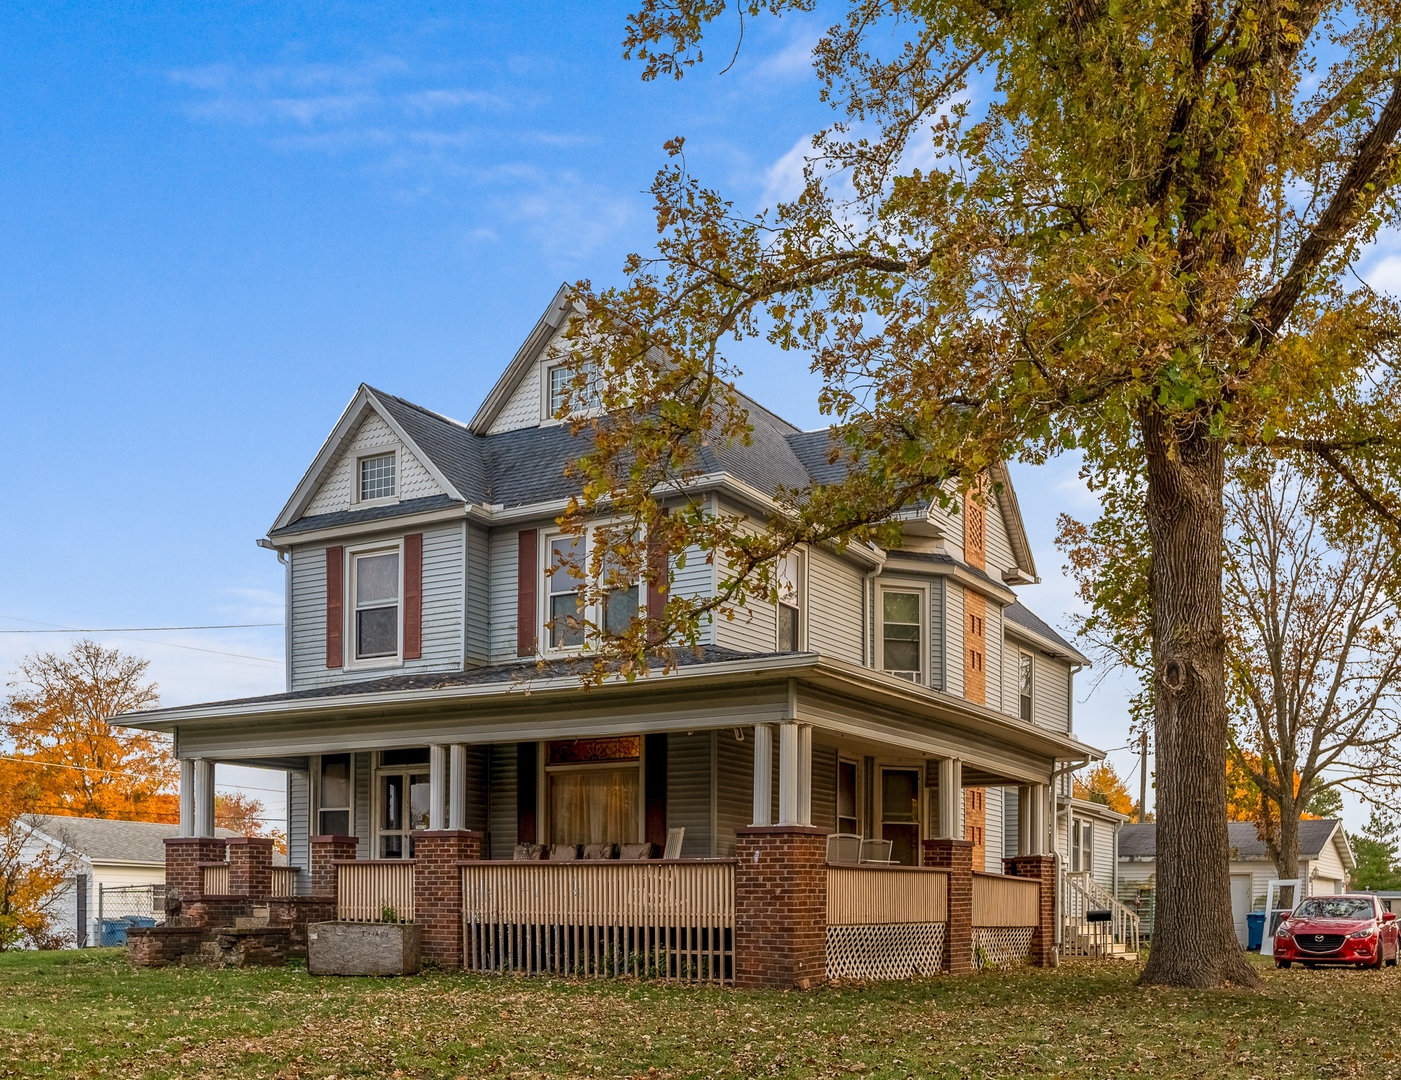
(1325, 861)
(106, 855)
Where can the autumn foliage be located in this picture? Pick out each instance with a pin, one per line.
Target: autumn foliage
(1103, 785)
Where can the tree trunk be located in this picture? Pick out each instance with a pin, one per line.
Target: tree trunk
(1194, 940)
(1287, 848)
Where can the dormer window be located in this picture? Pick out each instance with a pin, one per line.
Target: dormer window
(559, 380)
(378, 476)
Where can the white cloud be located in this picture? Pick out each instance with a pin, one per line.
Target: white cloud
(784, 179)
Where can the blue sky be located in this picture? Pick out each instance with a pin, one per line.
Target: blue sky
(217, 220)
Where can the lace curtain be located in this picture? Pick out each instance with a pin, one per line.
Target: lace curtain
(594, 806)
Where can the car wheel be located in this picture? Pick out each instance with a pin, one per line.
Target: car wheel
(1395, 955)
(1284, 964)
(1381, 957)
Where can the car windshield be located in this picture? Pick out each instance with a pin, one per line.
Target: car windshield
(1334, 907)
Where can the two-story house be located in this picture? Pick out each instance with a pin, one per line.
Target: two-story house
(902, 695)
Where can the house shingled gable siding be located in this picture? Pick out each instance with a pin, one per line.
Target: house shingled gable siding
(337, 491)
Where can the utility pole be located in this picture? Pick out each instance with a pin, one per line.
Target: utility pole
(1143, 775)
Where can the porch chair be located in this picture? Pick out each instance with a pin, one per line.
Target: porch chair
(596, 852)
(564, 852)
(843, 849)
(673, 843)
(876, 851)
(528, 853)
(636, 852)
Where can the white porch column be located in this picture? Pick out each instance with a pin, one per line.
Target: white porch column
(437, 785)
(763, 774)
(950, 799)
(794, 773)
(1026, 829)
(187, 796)
(457, 787)
(1033, 840)
(204, 797)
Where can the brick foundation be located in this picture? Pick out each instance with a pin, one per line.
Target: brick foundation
(1043, 869)
(325, 850)
(184, 857)
(956, 856)
(296, 913)
(250, 866)
(437, 890)
(780, 906)
(161, 946)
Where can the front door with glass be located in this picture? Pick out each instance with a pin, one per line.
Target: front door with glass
(899, 807)
(403, 807)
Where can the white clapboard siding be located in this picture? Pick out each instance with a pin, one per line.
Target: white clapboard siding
(1011, 673)
(834, 607)
(953, 626)
(999, 544)
(938, 634)
(734, 805)
(1011, 841)
(442, 614)
(688, 790)
(337, 491)
(993, 832)
(501, 811)
(505, 555)
(1051, 683)
(298, 819)
(477, 599)
(696, 578)
(362, 766)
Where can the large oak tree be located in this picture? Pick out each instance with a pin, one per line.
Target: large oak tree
(1123, 229)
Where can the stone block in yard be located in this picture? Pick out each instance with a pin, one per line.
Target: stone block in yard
(342, 948)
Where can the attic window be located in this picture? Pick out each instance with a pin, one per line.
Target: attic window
(561, 385)
(377, 477)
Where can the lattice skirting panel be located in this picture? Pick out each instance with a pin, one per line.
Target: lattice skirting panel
(887, 951)
(1001, 946)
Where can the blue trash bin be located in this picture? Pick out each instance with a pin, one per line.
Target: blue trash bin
(112, 932)
(1255, 930)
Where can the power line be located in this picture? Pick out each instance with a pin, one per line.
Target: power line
(167, 644)
(142, 629)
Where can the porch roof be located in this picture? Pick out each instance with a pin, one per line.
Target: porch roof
(498, 703)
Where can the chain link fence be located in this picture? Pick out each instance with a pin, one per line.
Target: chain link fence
(121, 907)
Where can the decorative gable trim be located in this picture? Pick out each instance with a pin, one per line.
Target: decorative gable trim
(329, 455)
(1016, 527)
(526, 357)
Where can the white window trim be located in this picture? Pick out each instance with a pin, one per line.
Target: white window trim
(925, 651)
(352, 662)
(314, 783)
(377, 800)
(374, 452)
(547, 414)
(592, 613)
(801, 645)
(855, 761)
(1025, 654)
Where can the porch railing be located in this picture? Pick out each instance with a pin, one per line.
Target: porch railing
(667, 920)
(216, 879)
(886, 922)
(284, 881)
(999, 900)
(375, 890)
(1081, 937)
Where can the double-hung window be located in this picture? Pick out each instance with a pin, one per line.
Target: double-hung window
(334, 789)
(788, 573)
(560, 382)
(566, 614)
(1082, 855)
(848, 818)
(1025, 675)
(902, 634)
(374, 577)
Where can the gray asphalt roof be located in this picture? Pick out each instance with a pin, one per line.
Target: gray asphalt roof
(1140, 841)
(1023, 616)
(110, 840)
(372, 513)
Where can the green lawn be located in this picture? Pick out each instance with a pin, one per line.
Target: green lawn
(89, 1014)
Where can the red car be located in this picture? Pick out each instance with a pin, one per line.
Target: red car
(1345, 929)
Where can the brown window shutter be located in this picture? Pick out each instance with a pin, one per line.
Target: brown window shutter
(659, 571)
(335, 606)
(413, 596)
(654, 794)
(527, 575)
